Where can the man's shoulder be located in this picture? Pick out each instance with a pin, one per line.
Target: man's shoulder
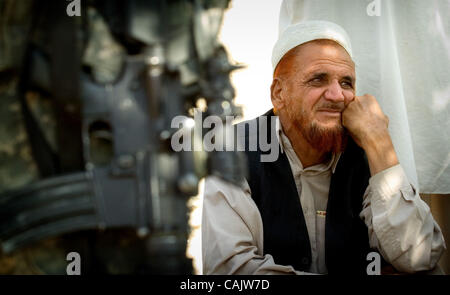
(217, 185)
(249, 129)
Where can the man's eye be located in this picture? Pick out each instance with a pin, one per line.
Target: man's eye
(316, 80)
(346, 85)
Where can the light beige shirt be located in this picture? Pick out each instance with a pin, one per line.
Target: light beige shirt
(399, 223)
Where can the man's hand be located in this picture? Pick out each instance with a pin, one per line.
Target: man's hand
(365, 120)
(368, 126)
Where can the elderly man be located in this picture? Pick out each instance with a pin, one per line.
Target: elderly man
(335, 193)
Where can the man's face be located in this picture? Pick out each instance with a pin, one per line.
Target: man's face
(318, 81)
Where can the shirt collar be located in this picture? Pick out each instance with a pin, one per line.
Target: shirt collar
(285, 144)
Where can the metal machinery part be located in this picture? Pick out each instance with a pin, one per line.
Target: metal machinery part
(112, 166)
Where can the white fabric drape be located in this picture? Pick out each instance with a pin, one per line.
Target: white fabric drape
(402, 57)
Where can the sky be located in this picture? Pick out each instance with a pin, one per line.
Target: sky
(250, 29)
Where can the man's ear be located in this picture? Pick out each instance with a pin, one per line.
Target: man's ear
(276, 90)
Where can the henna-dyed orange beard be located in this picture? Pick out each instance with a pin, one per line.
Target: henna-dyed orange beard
(320, 137)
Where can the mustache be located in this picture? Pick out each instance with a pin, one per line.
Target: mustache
(331, 106)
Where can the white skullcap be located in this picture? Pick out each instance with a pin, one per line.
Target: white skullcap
(306, 31)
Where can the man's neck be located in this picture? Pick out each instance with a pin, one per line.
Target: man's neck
(308, 155)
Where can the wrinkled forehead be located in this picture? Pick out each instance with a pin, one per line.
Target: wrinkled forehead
(316, 54)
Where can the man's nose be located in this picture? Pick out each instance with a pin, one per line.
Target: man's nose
(334, 92)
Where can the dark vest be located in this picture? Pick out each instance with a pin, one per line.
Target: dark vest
(285, 234)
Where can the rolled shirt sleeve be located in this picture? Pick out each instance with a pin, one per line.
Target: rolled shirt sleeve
(232, 233)
(400, 223)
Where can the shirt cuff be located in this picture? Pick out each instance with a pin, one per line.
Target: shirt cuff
(386, 188)
(389, 182)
